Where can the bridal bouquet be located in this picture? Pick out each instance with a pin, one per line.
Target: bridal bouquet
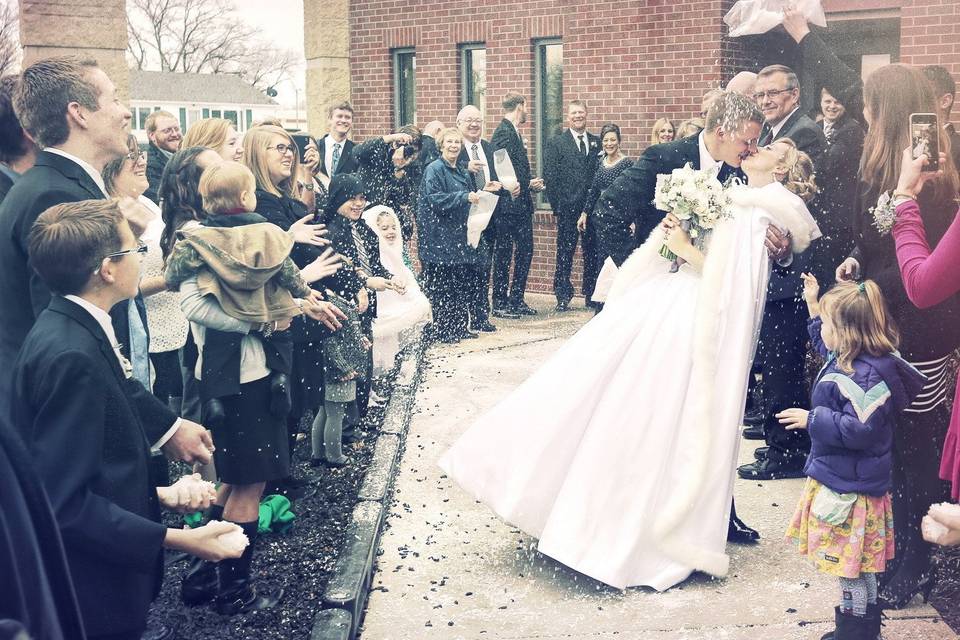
(697, 198)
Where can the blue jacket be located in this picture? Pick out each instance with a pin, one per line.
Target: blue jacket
(853, 417)
(442, 215)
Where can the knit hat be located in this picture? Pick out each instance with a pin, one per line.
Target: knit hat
(342, 188)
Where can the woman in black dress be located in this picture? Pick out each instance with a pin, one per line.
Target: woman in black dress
(613, 234)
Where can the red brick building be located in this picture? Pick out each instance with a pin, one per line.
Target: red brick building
(633, 61)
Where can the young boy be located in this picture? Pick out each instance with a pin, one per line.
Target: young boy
(237, 256)
(74, 405)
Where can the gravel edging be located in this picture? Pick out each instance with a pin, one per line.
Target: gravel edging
(345, 597)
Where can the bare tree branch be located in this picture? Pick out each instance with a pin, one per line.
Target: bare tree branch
(9, 39)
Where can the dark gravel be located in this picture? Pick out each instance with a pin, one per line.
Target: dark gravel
(299, 561)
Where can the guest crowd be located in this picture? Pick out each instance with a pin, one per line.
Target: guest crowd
(266, 284)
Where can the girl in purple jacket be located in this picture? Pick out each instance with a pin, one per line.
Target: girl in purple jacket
(844, 520)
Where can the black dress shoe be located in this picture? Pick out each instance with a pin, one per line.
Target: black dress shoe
(505, 312)
(760, 453)
(739, 533)
(484, 326)
(467, 335)
(524, 309)
(768, 469)
(563, 305)
(754, 418)
(753, 433)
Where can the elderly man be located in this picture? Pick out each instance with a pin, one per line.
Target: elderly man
(476, 155)
(163, 131)
(783, 335)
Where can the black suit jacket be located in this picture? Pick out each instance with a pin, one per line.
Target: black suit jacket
(506, 137)
(156, 163)
(347, 163)
(77, 414)
(806, 133)
(52, 180)
(568, 172)
(5, 185)
(630, 197)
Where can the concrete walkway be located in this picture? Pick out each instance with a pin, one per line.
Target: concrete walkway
(448, 568)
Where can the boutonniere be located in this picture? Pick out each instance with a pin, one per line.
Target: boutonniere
(884, 214)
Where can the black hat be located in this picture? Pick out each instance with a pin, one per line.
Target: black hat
(343, 187)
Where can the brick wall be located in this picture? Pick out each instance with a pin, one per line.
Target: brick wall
(632, 61)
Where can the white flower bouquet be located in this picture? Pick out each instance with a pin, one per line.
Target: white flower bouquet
(697, 198)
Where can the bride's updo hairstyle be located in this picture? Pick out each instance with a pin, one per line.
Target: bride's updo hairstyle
(798, 177)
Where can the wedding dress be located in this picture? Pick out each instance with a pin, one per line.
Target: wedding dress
(619, 453)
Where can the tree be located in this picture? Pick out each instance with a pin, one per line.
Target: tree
(202, 36)
(9, 38)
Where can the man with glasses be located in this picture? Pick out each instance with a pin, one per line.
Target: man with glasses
(163, 130)
(783, 335)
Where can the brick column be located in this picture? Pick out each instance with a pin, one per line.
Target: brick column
(326, 42)
(88, 28)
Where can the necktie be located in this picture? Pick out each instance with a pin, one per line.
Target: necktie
(363, 260)
(583, 146)
(827, 130)
(336, 157)
(478, 179)
(767, 136)
(139, 346)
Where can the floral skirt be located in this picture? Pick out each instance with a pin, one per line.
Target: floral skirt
(862, 544)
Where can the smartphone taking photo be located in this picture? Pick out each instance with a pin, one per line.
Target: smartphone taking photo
(924, 139)
(302, 140)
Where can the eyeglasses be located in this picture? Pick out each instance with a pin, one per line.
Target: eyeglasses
(135, 156)
(282, 149)
(170, 130)
(473, 121)
(773, 93)
(141, 248)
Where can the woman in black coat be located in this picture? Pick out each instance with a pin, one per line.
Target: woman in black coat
(390, 174)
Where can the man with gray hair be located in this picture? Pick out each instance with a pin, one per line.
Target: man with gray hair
(777, 93)
(476, 156)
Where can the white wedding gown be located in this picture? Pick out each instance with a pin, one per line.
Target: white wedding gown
(618, 454)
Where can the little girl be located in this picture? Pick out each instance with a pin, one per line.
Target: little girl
(844, 521)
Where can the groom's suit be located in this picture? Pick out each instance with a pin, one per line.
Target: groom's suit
(631, 195)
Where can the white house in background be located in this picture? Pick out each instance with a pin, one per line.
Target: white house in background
(194, 96)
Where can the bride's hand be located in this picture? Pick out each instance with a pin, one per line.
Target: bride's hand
(669, 222)
(678, 240)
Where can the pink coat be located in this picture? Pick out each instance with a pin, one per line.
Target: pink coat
(930, 278)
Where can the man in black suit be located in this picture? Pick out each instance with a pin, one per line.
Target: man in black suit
(569, 162)
(163, 131)
(336, 150)
(783, 334)
(514, 227)
(945, 89)
(18, 151)
(732, 127)
(78, 409)
(476, 156)
(69, 107)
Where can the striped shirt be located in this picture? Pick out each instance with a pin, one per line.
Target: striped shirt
(934, 393)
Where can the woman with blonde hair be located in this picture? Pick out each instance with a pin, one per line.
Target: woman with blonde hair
(928, 336)
(218, 134)
(663, 131)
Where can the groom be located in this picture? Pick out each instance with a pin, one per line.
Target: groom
(732, 128)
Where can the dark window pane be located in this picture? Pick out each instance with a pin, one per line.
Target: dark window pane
(248, 120)
(474, 70)
(233, 117)
(405, 89)
(143, 113)
(549, 96)
(183, 118)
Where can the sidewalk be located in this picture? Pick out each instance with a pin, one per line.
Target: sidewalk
(448, 568)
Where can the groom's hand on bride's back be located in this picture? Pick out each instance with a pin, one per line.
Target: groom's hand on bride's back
(777, 244)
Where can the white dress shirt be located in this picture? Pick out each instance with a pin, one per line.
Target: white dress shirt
(706, 160)
(481, 156)
(578, 136)
(328, 152)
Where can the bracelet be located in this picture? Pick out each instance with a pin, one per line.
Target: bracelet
(904, 194)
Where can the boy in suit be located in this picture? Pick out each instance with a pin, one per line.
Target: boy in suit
(75, 405)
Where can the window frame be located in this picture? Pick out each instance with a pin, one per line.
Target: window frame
(539, 71)
(465, 51)
(396, 55)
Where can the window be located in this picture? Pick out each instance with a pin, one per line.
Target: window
(216, 113)
(549, 87)
(233, 117)
(473, 76)
(404, 87)
(142, 118)
(183, 119)
(247, 120)
(192, 116)
(206, 113)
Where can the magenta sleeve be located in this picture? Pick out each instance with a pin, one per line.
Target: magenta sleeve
(928, 277)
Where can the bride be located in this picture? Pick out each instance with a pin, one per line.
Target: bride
(619, 453)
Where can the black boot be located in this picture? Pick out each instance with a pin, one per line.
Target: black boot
(237, 592)
(851, 627)
(200, 582)
(874, 622)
